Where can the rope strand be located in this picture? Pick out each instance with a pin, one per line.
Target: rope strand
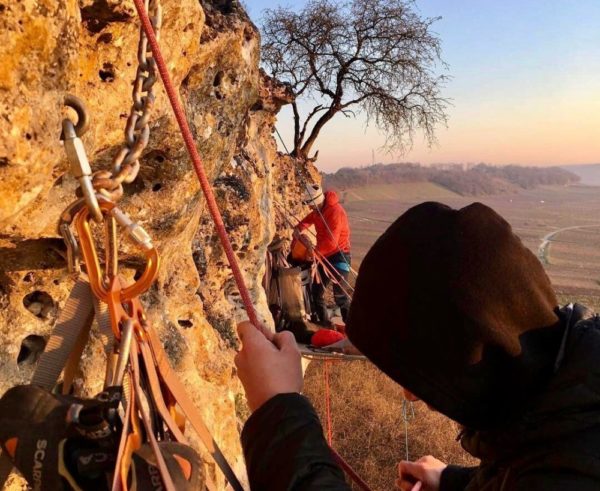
(197, 162)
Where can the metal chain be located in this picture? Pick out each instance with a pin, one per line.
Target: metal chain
(126, 164)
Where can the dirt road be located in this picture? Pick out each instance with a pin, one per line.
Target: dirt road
(548, 238)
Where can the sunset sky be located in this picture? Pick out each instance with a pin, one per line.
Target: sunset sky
(525, 87)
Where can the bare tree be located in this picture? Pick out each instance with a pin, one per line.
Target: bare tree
(378, 56)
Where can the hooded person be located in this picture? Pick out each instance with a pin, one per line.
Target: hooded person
(452, 306)
(333, 243)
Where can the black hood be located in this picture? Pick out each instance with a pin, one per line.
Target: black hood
(452, 306)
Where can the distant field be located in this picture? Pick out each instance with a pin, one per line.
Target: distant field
(589, 174)
(573, 256)
(409, 191)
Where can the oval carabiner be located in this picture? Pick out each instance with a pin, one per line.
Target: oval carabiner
(90, 255)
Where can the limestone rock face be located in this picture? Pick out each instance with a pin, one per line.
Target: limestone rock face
(89, 48)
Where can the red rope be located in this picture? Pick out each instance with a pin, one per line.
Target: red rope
(197, 162)
(208, 193)
(337, 457)
(328, 272)
(350, 471)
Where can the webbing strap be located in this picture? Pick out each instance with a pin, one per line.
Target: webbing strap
(75, 318)
(145, 416)
(178, 391)
(73, 324)
(157, 397)
(72, 364)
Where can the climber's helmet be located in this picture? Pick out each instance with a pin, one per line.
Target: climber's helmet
(313, 196)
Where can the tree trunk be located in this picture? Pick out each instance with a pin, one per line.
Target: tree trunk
(304, 150)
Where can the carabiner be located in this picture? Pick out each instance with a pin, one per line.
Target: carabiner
(90, 255)
(64, 229)
(80, 166)
(126, 335)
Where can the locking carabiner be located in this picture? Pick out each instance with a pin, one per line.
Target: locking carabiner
(90, 255)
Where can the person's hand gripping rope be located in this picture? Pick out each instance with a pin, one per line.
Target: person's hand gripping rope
(268, 364)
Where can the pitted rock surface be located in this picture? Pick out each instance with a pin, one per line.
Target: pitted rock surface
(88, 48)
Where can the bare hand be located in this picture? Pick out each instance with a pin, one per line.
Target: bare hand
(428, 470)
(267, 368)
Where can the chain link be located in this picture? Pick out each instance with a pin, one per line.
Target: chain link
(126, 164)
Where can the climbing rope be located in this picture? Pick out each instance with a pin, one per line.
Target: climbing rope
(197, 163)
(332, 272)
(297, 221)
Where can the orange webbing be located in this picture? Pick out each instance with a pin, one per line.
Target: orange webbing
(145, 416)
(172, 383)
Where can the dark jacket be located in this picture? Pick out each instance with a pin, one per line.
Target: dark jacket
(555, 445)
(285, 449)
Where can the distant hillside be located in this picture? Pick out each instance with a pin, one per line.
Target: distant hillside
(407, 191)
(478, 180)
(589, 173)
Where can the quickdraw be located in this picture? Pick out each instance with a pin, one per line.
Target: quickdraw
(158, 393)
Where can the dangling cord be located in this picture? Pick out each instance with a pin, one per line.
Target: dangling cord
(327, 402)
(407, 406)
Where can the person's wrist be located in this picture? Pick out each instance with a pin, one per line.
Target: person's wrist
(267, 398)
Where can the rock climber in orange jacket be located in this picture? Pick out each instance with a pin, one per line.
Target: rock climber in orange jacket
(333, 243)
